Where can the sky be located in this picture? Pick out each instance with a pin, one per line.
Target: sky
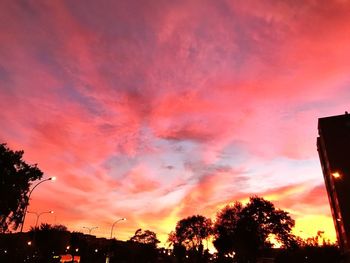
(159, 110)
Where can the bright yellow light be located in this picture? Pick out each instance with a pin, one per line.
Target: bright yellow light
(336, 175)
(308, 226)
(272, 239)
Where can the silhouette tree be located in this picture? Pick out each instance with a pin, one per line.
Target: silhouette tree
(143, 247)
(49, 227)
(15, 179)
(225, 228)
(49, 240)
(145, 237)
(245, 230)
(190, 233)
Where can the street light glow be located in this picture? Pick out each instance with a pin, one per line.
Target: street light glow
(336, 175)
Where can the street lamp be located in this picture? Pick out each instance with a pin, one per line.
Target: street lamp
(30, 193)
(121, 219)
(336, 175)
(38, 215)
(108, 254)
(90, 228)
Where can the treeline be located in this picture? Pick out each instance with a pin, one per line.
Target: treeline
(54, 243)
(243, 232)
(240, 233)
(248, 233)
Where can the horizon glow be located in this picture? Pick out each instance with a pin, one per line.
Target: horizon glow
(156, 110)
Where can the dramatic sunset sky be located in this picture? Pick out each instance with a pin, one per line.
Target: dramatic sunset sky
(158, 110)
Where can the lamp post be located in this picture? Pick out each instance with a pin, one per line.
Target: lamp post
(30, 193)
(38, 215)
(109, 252)
(121, 219)
(90, 228)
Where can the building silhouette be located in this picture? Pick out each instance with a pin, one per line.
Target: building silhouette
(333, 145)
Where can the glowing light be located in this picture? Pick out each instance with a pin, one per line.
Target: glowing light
(53, 178)
(336, 175)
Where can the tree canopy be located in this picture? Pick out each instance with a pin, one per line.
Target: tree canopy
(191, 231)
(245, 230)
(15, 180)
(48, 227)
(145, 237)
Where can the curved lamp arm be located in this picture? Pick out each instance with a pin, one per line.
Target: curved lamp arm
(121, 219)
(30, 193)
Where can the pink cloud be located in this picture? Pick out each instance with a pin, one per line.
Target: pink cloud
(139, 180)
(102, 96)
